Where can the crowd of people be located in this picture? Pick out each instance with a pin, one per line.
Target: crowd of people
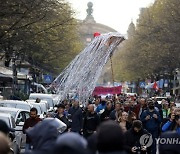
(111, 125)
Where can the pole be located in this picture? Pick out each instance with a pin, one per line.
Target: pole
(112, 70)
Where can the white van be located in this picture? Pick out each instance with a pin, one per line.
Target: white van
(46, 97)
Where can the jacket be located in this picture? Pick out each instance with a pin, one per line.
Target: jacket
(151, 125)
(132, 138)
(77, 119)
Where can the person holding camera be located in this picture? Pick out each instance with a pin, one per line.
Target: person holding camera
(151, 120)
(132, 138)
(173, 123)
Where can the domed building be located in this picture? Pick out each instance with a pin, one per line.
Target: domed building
(89, 26)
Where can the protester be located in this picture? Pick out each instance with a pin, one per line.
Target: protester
(61, 115)
(96, 103)
(151, 120)
(142, 107)
(70, 143)
(114, 114)
(106, 114)
(132, 138)
(173, 123)
(91, 121)
(29, 123)
(44, 141)
(110, 138)
(75, 116)
(101, 107)
(123, 121)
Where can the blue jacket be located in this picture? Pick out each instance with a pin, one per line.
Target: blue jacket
(100, 107)
(168, 126)
(152, 124)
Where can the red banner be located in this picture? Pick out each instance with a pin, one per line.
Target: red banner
(107, 90)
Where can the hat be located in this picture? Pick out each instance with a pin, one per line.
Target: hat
(61, 106)
(4, 127)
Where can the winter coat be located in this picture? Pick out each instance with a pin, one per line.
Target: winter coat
(44, 136)
(151, 125)
(76, 116)
(132, 138)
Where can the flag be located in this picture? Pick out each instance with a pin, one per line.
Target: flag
(155, 86)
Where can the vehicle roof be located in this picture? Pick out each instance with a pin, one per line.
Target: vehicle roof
(11, 109)
(40, 95)
(13, 101)
(5, 115)
(33, 101)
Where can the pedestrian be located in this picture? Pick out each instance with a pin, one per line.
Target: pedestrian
(101, 107)
(123, 121)
(75, 116)
(110, 138)
(70, 143)
(114, 114)
(106, 114)
(61, 115)
(151, 121)
(173, 124)
(132, 138)
(44, 134)
(91, 121)
(29, 123)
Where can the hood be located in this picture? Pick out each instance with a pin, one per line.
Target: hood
(44, 134)
(71, 142)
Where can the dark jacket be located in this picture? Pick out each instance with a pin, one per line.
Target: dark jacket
(151, 125)
(44, 136)
(63, 119)
(30, 122)
(132, 138)
(91, 121)
(113, 115)
(77, 119)
(105, 115)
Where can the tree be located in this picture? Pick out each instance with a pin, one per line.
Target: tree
(154, 47)
(40, 32)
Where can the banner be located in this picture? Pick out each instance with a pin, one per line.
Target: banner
(107, 90)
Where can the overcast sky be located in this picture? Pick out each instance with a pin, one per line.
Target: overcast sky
(113, 13)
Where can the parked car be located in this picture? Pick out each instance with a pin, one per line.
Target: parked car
(43, 104)
(19, 116)
(47, 97)
(11, 124)
(15, 104)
